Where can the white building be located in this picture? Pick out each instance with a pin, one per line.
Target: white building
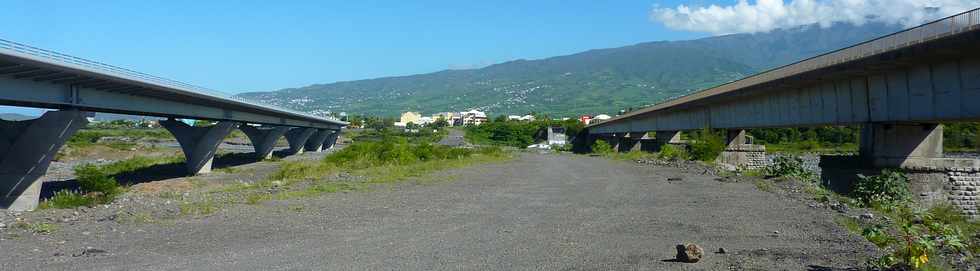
(473, 117)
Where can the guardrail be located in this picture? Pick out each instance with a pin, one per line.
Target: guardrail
(7, 46)
(959, 23)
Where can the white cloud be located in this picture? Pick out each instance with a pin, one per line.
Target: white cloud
(765, 15)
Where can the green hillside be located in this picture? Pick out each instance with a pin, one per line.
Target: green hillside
(595, 81)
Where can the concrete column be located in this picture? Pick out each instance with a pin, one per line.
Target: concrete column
(667, 137)
(736, 137)
(631, 142)
(902, 144)
(315, 142)
(331, 139)
(27, 148)
(297, 138)
(199, 143)
(263, 138)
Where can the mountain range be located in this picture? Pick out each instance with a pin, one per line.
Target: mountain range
(590, 82)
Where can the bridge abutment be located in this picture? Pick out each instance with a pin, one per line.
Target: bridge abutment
(263, 138)
(297, 138)
(199, 143)
(316, 141)
(27, 148)
(741, 153)
(917, 150)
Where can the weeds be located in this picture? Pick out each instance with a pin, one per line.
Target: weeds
(707, 145)
(887, 188)
(66, 199)
(199, 208)
(673, 152)
(790, 167)
(912, 237)
(37, 228)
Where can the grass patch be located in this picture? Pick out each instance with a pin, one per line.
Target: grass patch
(851, 224)
(204, 207)
(764, 185)
(98, 183)
(66, 199)
(37, 227)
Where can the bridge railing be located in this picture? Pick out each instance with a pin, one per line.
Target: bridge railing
(959, 23)
(15, 48)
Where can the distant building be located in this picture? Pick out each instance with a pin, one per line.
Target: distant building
(599, 118)
(521, 118)
(585, 119)
(452, 118)
(473, 117)
(554, 135)
(409, 117)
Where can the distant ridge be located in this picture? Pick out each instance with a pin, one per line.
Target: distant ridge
(594, 81)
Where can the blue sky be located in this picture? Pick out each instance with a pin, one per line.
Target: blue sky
(236, 46)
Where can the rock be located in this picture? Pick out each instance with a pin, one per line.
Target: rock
(867, 216)
(689, 253)
(89, 251)
(3, 225)
(722, 250)
(674, 179)
(839, 207)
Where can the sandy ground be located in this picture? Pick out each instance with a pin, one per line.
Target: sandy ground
(537, 212)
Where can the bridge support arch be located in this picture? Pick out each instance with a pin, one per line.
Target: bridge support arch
(27, 148)
(263, 138)
(297, 138)
(316, 141)
(331, 140)
(199, 143)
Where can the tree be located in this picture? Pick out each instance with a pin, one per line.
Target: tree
(440, 122)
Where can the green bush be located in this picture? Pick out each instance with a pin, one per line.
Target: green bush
(914, 239)
(886, 188)
(673, 152)
(792, 167)
(601, 147)
(92, 178)
(67, 199)
(395, 151)
(707, 145)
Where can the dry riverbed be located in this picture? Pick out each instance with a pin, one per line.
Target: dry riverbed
(539, 211)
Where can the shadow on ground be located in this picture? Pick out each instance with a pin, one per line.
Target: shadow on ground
(159, 172)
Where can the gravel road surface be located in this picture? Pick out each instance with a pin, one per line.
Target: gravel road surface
(536, 212)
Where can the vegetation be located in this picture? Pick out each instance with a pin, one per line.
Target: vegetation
(789, 166)
(707, 145)
(517, 133)
(602, 147)
(384, 161)
(890, 187)
(98, 184)
(673, 152)
(913, 238)
(89, 137)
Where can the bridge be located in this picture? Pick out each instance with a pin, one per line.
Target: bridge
(76, 87)
(899, 87)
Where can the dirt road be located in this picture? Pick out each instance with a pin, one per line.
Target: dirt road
(537, 212)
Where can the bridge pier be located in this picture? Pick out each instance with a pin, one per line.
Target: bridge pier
(27, 148)
(331, 139)
(630, 142)
(901, 144)
(297, 138)
(199, 143)
(666, 137)
(263, 138)
(315, 142)
(741, 153)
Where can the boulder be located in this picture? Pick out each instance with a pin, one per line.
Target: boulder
(689, 253)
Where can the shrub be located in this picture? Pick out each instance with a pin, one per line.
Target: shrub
(91, 178)
(67, 199)
(917, 235)
(707, 145)
(601, 147)
(887, 188)
(673, 152)
(792, 167)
